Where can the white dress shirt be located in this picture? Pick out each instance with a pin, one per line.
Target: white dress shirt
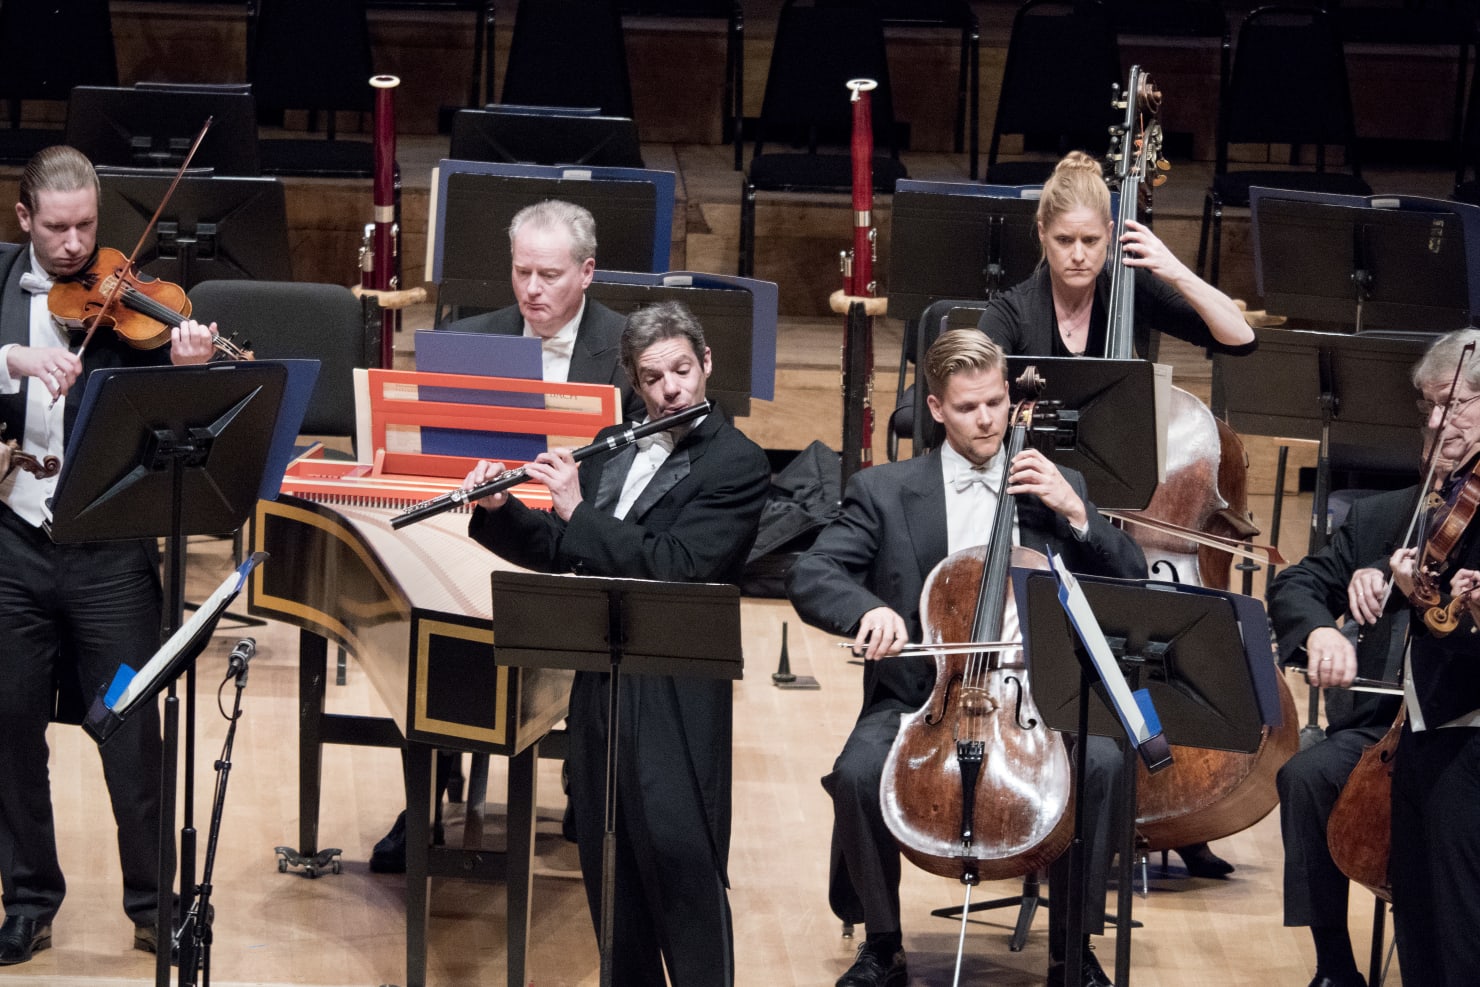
(556, 351)
(21, 491)
(652, 452)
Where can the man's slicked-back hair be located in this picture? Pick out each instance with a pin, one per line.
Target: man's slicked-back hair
(58, 168)
(960, 351)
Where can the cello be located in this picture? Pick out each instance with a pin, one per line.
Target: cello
(976, 786)
(1205, 795)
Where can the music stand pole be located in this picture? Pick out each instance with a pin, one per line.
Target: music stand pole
(1212, 683)
(615, 636)
(646, 625)
(157, 427)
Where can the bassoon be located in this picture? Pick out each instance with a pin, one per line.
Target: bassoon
(856, 301)
(380, 251)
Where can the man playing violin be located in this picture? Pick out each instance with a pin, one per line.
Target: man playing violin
(73, 613)
(682, 508)
(1348, 576)
(1435, 859)
(863, 578)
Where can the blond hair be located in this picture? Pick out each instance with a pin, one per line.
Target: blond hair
(1077, 182)
(960, 351)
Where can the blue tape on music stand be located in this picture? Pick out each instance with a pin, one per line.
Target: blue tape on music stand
(121, 679)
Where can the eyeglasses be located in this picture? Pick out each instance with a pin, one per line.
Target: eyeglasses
(1426, 407)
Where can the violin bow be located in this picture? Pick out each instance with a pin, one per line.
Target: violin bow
(118, 288)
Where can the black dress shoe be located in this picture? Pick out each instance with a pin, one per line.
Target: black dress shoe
(870, 969)
(1090, 973)
(389, 855)
(20, 937)
(1201, 861)
(1356, 980)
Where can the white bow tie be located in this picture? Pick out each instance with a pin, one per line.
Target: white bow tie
(662, 439)
(967, 477)
(35, 284)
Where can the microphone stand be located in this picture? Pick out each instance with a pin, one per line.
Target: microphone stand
(193, 941)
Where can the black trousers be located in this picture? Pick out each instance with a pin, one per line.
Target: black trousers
(673, 822)
(1309, 784)
(74, 610)
(864, 880)
(1435, 861)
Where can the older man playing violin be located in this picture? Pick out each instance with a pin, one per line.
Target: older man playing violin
(72, 613)
(1435, 860)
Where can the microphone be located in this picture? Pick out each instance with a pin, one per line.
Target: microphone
(241, 655)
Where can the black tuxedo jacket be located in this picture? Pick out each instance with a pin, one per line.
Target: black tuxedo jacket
(1312, 593)
(596, 358)
(107, 349)
(889, 536)
(694, 522)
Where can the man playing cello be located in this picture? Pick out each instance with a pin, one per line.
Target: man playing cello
(863, 578)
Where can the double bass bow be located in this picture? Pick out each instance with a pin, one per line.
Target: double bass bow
(976, 786)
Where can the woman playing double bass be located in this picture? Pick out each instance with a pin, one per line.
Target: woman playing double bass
(864, 577)
(1062, 309)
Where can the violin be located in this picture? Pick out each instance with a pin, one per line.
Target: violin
(112, 292)
(976, 786)
(1447, 526)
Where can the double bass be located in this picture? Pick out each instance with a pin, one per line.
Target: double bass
(1205, 795)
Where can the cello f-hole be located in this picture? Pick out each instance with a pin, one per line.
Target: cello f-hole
(1017, 713)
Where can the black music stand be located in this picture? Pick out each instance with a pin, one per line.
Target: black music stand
(1340, 390)
(213, 228)
(639, 626)
(1365, 266)
(170, 452)
(155, 126)
(545, 135)
(954, 240)
(1203, 655)
(1104, 424)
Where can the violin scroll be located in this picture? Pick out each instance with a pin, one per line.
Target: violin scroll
(12, 459)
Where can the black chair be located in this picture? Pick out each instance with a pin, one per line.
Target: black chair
(732, 98)
(300, 320)
(568, 53)
(1062, 62)
(314, 57)
(45, 50)
(1288, 86)
(910, 418)
(954, 15)
(818, 48)
(1467, 189)
(1416, 25)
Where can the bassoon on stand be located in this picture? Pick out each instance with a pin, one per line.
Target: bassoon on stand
(856, 300)
(380, 252)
